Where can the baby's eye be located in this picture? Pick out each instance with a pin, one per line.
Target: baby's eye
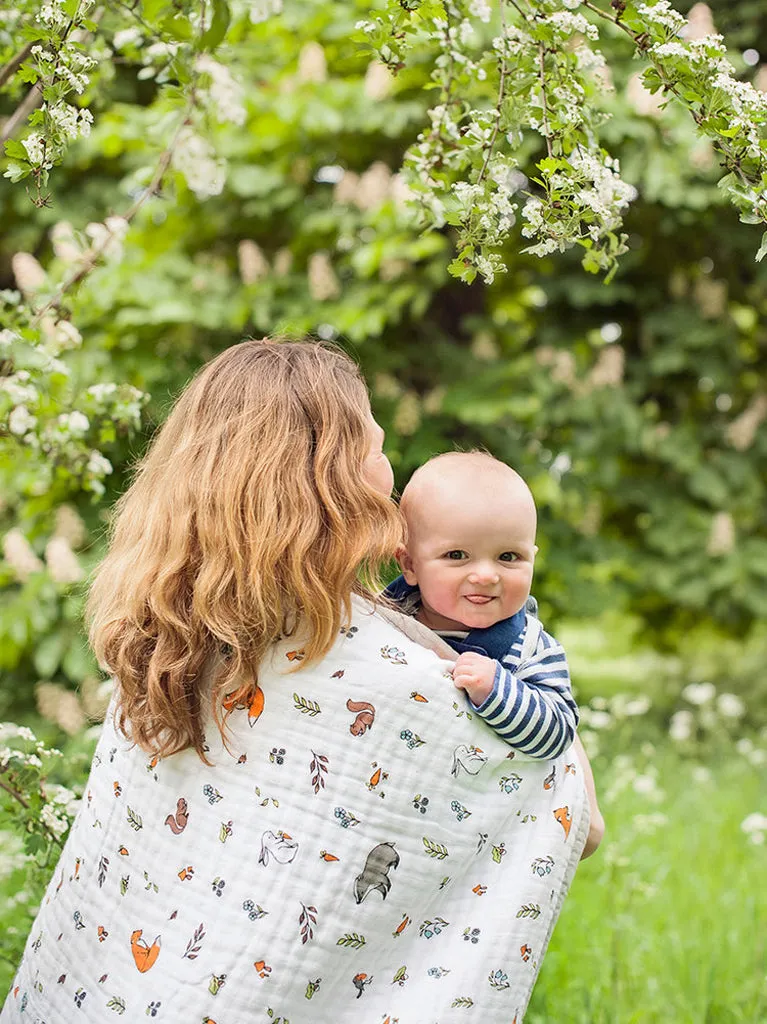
(508, 556)
(455, 555)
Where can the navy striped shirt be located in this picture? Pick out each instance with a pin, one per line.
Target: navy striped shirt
(532, 705)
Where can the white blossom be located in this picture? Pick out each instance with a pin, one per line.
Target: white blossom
(227, 94)
(21, 421)
(755, 826)
(262, 10)
(730, 706)
(681, 726)
(194, 158)
(75, 423)
(98, 464)
(699, 693)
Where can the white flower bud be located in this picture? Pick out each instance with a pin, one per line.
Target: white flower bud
(252, 262)
(721, 538)
(378, 81)
(64, 243)
(742, 431)
(373, 187)
(18, 553)
(62, 561)
(70, 526)
(30, 276)
(323, 283)
(312, 66)
(407, 418)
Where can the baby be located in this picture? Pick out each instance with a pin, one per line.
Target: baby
(466, 573)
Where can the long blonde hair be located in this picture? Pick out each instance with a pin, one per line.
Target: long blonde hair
(247, 518)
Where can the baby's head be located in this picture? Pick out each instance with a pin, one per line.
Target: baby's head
(470, 540)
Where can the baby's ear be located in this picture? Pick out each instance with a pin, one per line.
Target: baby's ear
(406, 565)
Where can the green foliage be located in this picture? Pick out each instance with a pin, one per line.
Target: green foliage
(206, 205)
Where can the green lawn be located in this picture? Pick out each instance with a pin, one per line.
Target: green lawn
(666, 926)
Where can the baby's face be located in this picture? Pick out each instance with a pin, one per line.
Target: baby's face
(472, 557)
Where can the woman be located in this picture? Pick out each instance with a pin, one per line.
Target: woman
(290, 816)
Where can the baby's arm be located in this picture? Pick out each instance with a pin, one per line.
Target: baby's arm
(532, 708)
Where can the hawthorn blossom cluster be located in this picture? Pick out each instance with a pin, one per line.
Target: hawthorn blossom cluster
(468, 169)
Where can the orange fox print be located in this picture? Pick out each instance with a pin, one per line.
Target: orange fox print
(144, 956)
(565, 819)
(255, 705)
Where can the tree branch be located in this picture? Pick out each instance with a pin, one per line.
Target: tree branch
(15, 63)
(31, 102)
(54, 303)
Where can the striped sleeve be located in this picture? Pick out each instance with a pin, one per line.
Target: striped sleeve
(533, 707)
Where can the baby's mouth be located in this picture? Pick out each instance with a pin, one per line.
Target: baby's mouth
(479, 598)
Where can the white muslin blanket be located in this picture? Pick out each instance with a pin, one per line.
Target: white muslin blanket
(365, 852)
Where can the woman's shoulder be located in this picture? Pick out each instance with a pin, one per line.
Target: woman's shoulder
(377, 621)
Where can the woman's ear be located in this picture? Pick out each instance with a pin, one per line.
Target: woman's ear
(406, 565)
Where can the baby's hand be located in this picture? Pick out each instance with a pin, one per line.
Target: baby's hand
(475, 674)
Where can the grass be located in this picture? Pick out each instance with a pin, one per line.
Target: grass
(666, 926)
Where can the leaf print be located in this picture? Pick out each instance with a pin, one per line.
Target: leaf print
(351, 940)
(149, 883)
(463, 1001)
(435, 849)
(116, 1004)
(542, 865)
(401, 976)
(429, 928)
(499, 980)
(499, 852)
(134, 820)
(306, 706)
(318, 766)
(254, 910)
(532, 910)
(195, 943)
(103, 867)
(510, 783)
(306, 919)
(124, 884)
(411, 738)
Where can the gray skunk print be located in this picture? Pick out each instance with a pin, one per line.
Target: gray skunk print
(375, 874)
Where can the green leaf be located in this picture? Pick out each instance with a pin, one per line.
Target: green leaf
(762, 252)
(218, 26)
(48, 654)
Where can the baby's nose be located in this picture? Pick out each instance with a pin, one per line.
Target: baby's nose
(484, 574)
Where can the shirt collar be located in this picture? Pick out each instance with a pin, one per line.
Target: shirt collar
(495, 641)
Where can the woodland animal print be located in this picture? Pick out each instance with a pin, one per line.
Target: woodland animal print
(322, 870)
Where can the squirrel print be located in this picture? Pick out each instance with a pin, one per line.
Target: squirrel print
(365, 715)
(177, 822)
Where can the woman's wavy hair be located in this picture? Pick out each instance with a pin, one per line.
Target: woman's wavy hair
(248, 519)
